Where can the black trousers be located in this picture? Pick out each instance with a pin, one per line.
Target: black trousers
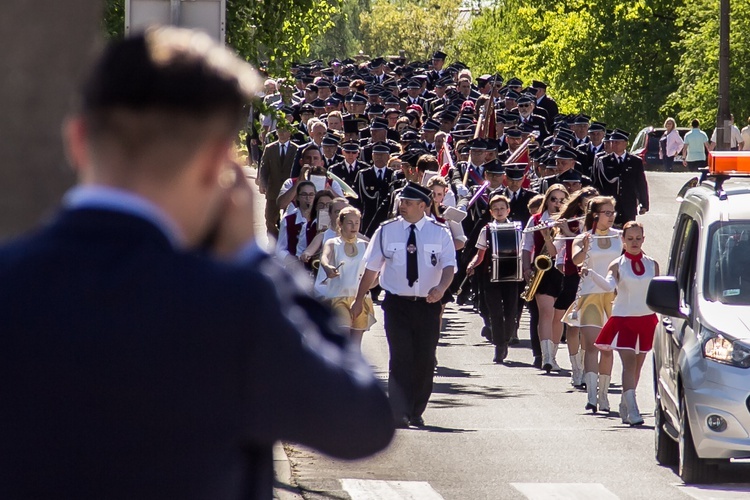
(501, 306)
(412, 329)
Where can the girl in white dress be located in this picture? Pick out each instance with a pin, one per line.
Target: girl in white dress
(317, 243)
(594, 250)
(343, 264)
(630, 329)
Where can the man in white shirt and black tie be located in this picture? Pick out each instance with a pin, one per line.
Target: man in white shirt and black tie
(416, 260)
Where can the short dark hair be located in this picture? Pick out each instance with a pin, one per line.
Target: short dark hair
(156, 95)
(695, 123)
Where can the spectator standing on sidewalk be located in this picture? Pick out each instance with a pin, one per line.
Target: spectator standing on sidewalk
(670, 144)
(136, 364)
(745, 132)
(696, 147)
(736, 142)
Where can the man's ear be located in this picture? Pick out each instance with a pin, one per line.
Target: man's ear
(75, 142)
(214, 156)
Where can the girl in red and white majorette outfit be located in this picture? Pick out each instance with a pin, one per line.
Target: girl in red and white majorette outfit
(594, 250)
(630, 329)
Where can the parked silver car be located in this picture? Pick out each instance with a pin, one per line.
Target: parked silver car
(702, 344)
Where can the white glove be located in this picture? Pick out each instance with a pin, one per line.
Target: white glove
(461, 190)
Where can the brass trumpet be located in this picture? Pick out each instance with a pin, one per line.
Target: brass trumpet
(542, 264)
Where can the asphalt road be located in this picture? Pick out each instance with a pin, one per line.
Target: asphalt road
(513, 432)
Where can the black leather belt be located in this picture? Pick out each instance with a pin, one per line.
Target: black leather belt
(410, 298)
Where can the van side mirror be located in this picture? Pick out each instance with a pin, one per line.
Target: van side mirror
(663, 296)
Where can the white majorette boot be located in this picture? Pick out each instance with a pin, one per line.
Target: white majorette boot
(623, 410)
(553, 356)
(591, 379)
(634, 417)
(546, 346)
(602, 400)
(576, 370)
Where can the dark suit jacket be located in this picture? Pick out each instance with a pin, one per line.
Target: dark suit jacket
(519, 208)
(133, 370)
(586, 158)
(550, 105)
(374, 198)
(626, 182)
(273, 172)
(340, 169)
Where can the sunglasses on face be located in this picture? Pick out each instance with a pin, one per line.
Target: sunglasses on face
(608, 213)
(556, 200)
(524, 105)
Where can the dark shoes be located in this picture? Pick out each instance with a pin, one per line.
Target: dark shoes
(402, 422)
(501, 352)
(514, 340)
(486, 332)
(537, 362)
(417, 421)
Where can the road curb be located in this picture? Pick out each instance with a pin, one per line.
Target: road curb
(283, 486)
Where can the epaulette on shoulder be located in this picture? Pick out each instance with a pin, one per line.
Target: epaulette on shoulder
(438, 223)
(385, 223)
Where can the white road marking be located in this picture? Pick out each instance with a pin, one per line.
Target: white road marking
(716, 491)
(364, 489)
(565, 491)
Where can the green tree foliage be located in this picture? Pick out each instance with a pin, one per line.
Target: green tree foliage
(697, 73)
(614, 60)
(272, 32)
(343, 39)
(417, 27)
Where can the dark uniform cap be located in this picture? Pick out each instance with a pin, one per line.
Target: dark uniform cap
(379, 124)
(390, 111)
(413, 84)
(462, 134)
(376, 109)
(333, 101)
(323, 83)
(421, 78)
(350, 146)
(391, 99)
(381, 147)
(439, 55)
(414, 191)
(559, 141)
(597, 127)
(571, 175)
(465, 122)
(492, 144)
(444, 82)
(330, 140)
(513, 132)
(566, 154)
(482, 80)
(334, 62)
(318, 104)
(358, 98)
(307, 108)
(409, 157)
(512, 95)
(311, 88)
(351, 126)
(493, 167)
(524, 99)
(515, 173)
(342, 84)
(385, 94)
(431, 125)
(514, 82)
(477, 145)
(619, 135)
(526, 128)
(287, 110)
(536, 84)
(408, 135)
(447, 116)
(581, 119)
(377, 62)
(565, 134)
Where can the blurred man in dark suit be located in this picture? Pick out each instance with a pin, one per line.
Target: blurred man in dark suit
(275, 167)
(134, 365)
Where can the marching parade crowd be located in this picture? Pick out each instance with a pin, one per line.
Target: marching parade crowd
(432, 185)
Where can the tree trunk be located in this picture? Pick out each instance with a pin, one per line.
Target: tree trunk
(47, 46)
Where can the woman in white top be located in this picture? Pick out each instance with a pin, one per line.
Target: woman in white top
(670, 144)
(317, 243)
(595, 249)
(343, 263)
(630, 329)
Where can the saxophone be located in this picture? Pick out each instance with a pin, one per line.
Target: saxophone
(542, 264)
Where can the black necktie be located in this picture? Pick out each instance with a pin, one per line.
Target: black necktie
(412, 268)
(380, 175)
(283, 152)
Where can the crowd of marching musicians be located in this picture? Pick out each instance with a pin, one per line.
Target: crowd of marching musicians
(425, 183)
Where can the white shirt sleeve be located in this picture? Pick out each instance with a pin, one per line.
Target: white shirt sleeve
(561, 252)
(448, 251)
(527, 239)
(482, 239)
(374, 253)
(282, 243)
(286, 186)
